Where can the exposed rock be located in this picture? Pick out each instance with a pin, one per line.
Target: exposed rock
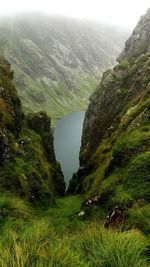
(115, 217)
(64, 59)
(93, 200)
(41, 124)
(139, 42)
(116, 133)
(82, 213)
(3, 146)
(113, 93)
(11, 114)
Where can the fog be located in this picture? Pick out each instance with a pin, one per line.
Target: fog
(117, 12)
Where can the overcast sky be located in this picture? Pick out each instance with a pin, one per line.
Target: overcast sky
(120, 12)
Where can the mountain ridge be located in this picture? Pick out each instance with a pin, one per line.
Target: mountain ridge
(114, 156)
(57, 62)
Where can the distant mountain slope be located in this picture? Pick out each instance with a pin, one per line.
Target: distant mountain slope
(57, 61)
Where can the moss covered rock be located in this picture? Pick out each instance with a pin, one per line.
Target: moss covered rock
(116, 134)
(41, 124)
(27, 161)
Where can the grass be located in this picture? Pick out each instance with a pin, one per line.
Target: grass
(57, 238)
(12, 207)
(64, 214)
(139, 217)
(123, 65)
(107, 248)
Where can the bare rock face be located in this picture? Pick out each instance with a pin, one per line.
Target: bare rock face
(139, 42)
(118, 86)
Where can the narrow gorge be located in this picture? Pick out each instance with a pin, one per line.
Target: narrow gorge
(74, 188)
(67, 142)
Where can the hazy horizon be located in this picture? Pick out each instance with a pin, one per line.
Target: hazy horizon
(123, 14)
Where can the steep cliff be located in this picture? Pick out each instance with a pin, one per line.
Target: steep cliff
(115, 151)
(27, 161)
(57, 61)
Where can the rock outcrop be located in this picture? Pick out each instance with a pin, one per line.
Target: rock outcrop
(116, 135)
(139, 42)
(11, 115)
(41, 124)
(27, 161)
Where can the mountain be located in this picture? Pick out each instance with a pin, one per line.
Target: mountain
(57, 61)
(115, 152)
(28, 167)
(41, 227)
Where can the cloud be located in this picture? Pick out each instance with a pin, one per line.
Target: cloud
(123, 13)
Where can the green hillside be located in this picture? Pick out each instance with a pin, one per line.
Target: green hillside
(115, 153)
(57, 61)
(103, 220)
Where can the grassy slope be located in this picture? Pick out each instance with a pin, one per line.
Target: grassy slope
(27, 161)
(57, 63)
(56, 237)
(120, 165)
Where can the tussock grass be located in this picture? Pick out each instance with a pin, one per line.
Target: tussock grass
(116, 249)
(12, 207)
(30, 239)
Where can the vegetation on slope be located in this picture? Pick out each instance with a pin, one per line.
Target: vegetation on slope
(40, 238)
(57, 61)
(115, 152)
(27, 161)
(38, 229)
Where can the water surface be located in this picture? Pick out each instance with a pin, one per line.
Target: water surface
(67, 142)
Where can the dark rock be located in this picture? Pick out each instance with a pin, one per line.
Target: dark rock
(27, 161)
(3, 146)
(115, 217)
(116, 137)
(41, 124)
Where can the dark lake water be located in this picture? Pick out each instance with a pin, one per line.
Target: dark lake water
(67, 142)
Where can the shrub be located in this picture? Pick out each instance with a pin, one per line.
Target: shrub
(122, 65)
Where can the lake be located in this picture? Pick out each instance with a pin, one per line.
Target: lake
(67, 142)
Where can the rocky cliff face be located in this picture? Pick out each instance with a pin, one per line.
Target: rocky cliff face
(11, 115)
(139, 42)
(117, 88)
(57, 61)
(115, 152)
(27, 161)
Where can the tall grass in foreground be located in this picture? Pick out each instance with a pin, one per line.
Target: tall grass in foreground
(39, 246)
(34, 241)
(107, 248)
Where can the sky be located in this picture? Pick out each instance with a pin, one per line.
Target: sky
(124, 13)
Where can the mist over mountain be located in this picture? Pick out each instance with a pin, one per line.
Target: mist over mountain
(102, 218)
(58, 61)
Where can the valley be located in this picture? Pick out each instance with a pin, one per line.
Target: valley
(100, 216)
(58, 61)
